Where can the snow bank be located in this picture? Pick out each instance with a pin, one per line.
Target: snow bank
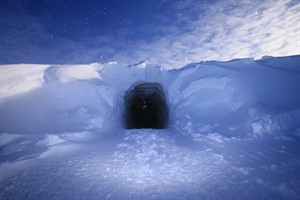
(236, 97)
(233, 132)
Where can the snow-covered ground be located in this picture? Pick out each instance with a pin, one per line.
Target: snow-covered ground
(234, 132)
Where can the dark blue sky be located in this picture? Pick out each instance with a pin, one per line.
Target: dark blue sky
(167, 32)
(91, 18)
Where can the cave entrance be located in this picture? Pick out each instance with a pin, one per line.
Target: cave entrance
(146, 107)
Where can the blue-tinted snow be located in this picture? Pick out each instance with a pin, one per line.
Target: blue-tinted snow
(234, 132)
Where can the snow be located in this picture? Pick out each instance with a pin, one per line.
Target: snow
(233, 132)
(50, 140)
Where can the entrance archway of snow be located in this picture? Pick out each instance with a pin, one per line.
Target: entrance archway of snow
(145, 106)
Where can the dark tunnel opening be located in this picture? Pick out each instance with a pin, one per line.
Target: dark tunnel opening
(146, 107)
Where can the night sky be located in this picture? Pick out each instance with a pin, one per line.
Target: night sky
(170, 33)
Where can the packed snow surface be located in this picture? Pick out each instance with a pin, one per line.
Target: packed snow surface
(233, 133)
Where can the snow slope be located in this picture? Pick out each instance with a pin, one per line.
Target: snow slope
(234, 132)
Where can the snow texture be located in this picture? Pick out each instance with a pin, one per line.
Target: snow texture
(233, 133)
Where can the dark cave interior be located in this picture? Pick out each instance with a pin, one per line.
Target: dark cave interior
(146, 107)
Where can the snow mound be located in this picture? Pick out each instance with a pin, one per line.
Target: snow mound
(50, 140)
(220, 95)
(70, 73)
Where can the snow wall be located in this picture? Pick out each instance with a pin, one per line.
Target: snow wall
(237, 97)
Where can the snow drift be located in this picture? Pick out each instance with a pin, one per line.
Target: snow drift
(233, 132)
